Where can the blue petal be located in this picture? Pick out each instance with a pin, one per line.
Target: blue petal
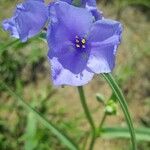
(62, 76)
(102, 59)
(76, 20)
(90, 5)
(10, 25)
(104, 37)
(73, 60)
(68, 1)
(104, 29)
(29, 18)
(67, 23)
(90, 2)
(95, 12)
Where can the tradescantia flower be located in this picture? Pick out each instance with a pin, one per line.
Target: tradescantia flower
(79, 47)
(28, 19)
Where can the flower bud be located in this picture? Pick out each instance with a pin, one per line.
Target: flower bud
(111, 107)
(100, 98)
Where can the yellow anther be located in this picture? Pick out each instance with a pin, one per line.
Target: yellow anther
(83, 41)
(77, 45)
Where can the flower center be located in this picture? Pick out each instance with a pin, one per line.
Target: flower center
(80, 42)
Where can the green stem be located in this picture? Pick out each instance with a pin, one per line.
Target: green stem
(102, 122)
(117, 91)
(85, 107)
(96, 134)
(88, 115)
(93, 140)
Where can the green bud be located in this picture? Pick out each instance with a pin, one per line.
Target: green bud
(111, 108)
(100, 98)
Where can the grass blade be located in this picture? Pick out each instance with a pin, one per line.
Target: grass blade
(65, 139)
(142, 134)
(3, 48)
(117, 91)
(30, 136)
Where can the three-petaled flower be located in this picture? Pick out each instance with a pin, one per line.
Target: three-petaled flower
(79, 46)
(28, 19)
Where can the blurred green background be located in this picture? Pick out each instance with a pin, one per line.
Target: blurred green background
(24, 67)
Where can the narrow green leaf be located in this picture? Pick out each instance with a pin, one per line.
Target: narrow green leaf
(139, 2)
(65, 139)
(117, 91)
(31, 140)
(41, 35)
(3, 48)
(142, 134)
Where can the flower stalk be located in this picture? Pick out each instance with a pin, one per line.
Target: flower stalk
(88, 116)
(93, 140)
(102, 122)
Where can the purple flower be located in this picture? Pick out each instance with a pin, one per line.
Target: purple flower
(29, 18)
(79, 47)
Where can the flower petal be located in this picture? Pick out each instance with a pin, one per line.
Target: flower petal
(9, 25)
(29, 18)
(57, 37)
(90, 2)
(62, 76)
(102, 59)
(77, 21)
(62, 32)
(68, 1)
(95, 12)
(105, 37)
(73, 60)
(113, 40)
(90, 5)
(104, 29)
